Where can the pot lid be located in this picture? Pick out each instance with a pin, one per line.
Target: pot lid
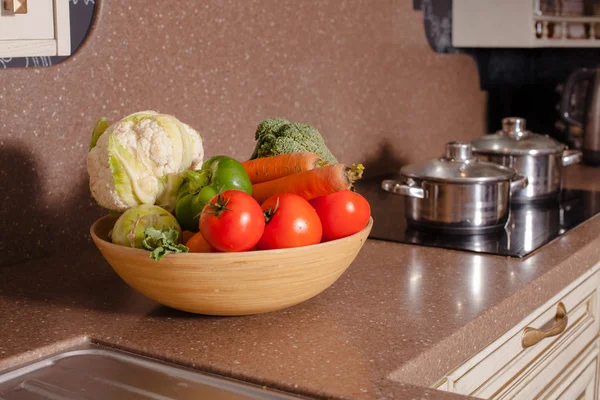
(459, 166)
(515, 139)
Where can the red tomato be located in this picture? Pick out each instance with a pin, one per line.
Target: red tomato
(232, 221)
(342, 213)
(292, 222)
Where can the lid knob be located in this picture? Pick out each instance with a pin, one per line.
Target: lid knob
(513, 126)
(458, 151)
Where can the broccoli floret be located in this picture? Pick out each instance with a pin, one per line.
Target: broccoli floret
(279, 136)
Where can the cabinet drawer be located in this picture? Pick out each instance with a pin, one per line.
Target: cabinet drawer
(576, 381)
(505, 365)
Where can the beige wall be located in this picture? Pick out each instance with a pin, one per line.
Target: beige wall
(360, 71)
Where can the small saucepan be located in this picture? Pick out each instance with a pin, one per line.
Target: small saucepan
(539, 157)
(457, 193)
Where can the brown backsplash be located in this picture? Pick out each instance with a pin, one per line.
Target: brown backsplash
(361, 71)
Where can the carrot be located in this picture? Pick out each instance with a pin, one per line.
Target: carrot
(197, 244)
(186, 235)
(311, 184)
(270, 168)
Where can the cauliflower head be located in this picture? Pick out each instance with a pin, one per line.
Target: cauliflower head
(139, 160)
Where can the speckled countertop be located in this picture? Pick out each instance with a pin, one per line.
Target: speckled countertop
(395, 322)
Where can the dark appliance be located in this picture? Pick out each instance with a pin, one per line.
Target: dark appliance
(588, 102)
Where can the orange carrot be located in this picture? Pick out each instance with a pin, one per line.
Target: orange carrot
(311, 184)
(186, 235)
(270, 168)
(197, 244)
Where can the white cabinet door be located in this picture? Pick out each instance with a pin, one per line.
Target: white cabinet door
(43, 31)
(38, 23)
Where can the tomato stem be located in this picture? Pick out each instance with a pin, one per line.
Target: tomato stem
(270, 212)
(218, 207)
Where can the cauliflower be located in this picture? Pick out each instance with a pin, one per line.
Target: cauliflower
(139, 160)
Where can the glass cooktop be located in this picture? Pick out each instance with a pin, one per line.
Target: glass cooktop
(530, 226)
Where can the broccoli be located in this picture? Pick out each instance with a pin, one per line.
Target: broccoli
(279, 136)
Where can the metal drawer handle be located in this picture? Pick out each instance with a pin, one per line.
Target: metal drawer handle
(532, 336)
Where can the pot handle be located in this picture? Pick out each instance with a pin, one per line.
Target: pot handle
(570, 157)
(519, 182)
(396, 187)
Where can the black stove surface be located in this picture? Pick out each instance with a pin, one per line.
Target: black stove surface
(530, 226)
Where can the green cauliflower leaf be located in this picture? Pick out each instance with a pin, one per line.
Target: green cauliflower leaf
(162, 242)
(99, 129)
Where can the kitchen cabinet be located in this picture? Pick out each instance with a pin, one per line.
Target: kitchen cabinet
(34, 28)
(551, 354)
(522, 24)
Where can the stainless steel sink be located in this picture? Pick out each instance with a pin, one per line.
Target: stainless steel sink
(98, 372)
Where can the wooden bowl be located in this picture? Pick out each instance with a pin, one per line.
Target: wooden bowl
(231, 283)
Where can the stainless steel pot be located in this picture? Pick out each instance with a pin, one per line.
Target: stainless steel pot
(540, 158)
(457, 193)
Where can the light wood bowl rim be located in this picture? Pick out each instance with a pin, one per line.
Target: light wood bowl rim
(221, 255)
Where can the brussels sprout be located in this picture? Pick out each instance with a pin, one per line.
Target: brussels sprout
(129, 230)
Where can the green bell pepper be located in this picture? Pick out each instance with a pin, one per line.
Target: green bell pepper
(218, 174)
